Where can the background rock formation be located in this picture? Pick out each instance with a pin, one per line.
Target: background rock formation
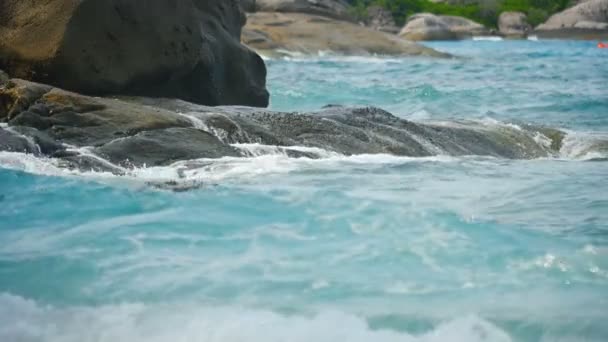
(186, 49)
(381, 19)
(513, 24)
(464, 27)
(271, 33)
(427, 26)
(336, 9)
(588, 19)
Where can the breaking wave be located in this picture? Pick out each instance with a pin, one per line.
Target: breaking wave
(262, 159)
(32, 322)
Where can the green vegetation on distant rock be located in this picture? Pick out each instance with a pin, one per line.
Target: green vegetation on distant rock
(482, 11)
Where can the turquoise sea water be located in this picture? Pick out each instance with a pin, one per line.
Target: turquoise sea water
(358, 248)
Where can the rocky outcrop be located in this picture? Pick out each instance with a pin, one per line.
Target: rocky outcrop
(114, 135)
(427, 26)
(185, 49)
(271, 33)
(15, 142)
(513, 24)
(381, 19)
(336, 9)
(588, 20)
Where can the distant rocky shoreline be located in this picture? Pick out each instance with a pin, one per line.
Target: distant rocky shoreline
(273, 34)
(307, 26)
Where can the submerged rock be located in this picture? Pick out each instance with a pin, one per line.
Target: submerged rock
(587, 20)
(427, 26)
(273, 33)
(107, 134)
(184, 49)
(513, 24)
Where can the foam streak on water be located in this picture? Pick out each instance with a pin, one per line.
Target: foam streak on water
(303, 244)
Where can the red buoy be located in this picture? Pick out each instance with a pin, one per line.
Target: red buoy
(602, 45)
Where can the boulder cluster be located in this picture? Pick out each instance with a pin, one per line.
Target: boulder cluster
(587, 19)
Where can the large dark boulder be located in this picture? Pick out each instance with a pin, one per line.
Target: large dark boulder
(188, 49)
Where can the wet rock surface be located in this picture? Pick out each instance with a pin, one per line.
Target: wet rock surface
(111, 134)
(165, 146)
(14, 142)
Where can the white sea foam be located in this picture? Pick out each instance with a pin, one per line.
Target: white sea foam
(542, 140)
(584, 145)
(264, 160)
(196, 122)
(200, 124)
(329, 56)
(267, 160)
(234, 168)
(288, 54)
(487, 121)
(489, 38)
(27, 321)
(29, 163)
(256, 150)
